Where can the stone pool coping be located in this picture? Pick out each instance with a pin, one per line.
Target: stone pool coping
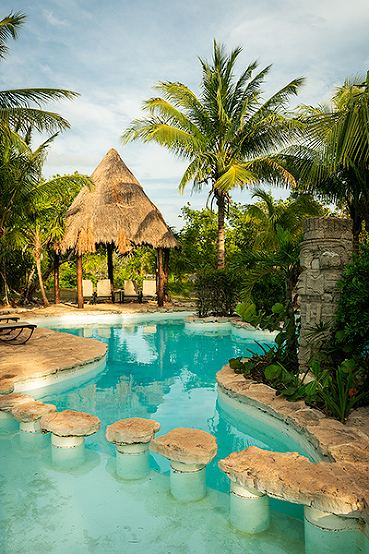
(344, 446)
(47, 357)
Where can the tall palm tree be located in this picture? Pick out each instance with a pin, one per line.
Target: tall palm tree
(333, 158)
(226, 134)
(20, 108)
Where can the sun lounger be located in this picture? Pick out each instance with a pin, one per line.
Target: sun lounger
(6, 319)
(18, 332)
(104, 289)
(88, 290)
(131, 291)
(149, 288)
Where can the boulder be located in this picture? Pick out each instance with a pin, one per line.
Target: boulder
(10, 401)
(188, 446)
(32, 411)
(70, 424)
(291, 477)
(135, 430)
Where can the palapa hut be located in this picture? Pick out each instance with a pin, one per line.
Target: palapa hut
(118, 214)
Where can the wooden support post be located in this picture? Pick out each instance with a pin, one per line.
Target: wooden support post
(79, 282)
(109, 252)
(166, 271)
(56, 280)
(160, 277)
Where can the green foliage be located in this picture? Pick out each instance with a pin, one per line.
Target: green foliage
(217, 292)
(352, 317)
(281, 319)
(226, 134)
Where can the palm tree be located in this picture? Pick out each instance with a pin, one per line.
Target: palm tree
(267, 214)
(333, 158)
(20, 108)
(226, 134)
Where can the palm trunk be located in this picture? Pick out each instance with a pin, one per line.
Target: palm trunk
(38, 258)
(160, 277)
(221, 205)
(166, 271)
(56, 279)
(6, 288)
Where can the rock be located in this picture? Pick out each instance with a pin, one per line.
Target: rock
(294, 478)
(135, 430)
(6, 385)
(10, 401)
(189, 446)
(32, 411)
(70, 424)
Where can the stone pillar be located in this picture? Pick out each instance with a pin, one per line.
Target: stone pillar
(249, 509)
(325, 532)
(187, 481)
(325, 250)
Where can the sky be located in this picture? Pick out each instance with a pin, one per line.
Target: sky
(113, 52)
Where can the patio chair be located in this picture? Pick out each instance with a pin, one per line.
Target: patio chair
(103, 289)
(131, 291)
(88, 290)
(149, 288)
(17, 332)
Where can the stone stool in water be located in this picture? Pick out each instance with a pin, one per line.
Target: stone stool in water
(68, 431)
(10, 401)
(189, 452)
(6, 385)
(249, 509)
(132, 438)
(29, 414)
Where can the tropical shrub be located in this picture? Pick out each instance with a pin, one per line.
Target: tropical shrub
(217, 292)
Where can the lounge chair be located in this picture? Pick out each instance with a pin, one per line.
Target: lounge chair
(149, 288)
(131, 291)
(88, 290)
(18, 332)
(6, 319)
(104, 289)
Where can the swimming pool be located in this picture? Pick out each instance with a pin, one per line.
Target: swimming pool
(156, 368)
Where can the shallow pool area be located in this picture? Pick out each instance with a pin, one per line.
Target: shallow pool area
(156, 369)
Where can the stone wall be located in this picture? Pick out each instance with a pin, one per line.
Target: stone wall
(325, 250)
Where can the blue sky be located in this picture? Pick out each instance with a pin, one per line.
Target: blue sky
(112, 52)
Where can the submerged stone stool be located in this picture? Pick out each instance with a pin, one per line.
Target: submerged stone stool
(10, 401)
(29, 414)
(132, 438)
(249, 508)
(6, 385)
(68, 431)
(189, 451)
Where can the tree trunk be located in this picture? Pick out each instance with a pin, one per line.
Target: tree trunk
(166, 271)
(79, 282)
(56, 279)
(6, 288)
(160, 277)
(109, 253)
(221, 204)
(38, 258)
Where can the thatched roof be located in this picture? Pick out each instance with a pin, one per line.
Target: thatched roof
(116, 212)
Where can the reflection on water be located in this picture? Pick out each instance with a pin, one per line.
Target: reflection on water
(155, 370)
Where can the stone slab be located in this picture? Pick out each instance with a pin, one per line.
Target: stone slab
(32, 411)
(189, 446)
(134, 430)
(70, 424)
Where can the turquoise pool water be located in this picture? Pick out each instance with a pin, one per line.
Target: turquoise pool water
(155, 369)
